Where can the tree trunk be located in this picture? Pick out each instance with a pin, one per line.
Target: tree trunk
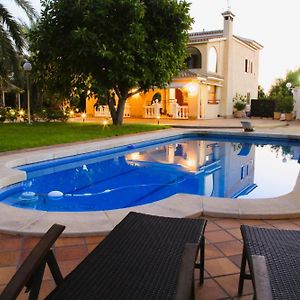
(117, 114)
(120, 112)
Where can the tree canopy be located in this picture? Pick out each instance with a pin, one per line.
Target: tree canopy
(115, 47)
(280, 89)
(11, 39)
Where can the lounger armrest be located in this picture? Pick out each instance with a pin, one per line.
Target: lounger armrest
(32, 263)
(185, 280)
(261, 278)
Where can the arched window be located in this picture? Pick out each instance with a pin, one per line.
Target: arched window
(194, 61)
(212, 60)
(156, 98)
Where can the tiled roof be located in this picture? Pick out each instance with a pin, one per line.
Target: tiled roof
(249, 42)
(205, 35)
(186, 74)
(197, 37)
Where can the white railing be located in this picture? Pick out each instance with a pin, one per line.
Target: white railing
(127, 111)
(103, 111)
(182, 112)
(152, 111)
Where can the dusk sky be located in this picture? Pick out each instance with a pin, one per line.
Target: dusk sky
(273, 24)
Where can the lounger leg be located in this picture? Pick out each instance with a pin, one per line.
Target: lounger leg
(54, 268)
(242, 272)
(35, 285)
(200, 264)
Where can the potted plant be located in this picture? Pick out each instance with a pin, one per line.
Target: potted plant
(278, 108)
(288, 107)
(239, 105)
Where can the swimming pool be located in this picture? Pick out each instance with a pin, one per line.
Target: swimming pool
(141, 173)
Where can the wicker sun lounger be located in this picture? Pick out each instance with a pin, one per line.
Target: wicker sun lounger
(144, 257)
(273, 256)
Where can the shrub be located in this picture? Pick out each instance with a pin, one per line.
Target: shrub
(11, 115)
(3, 113)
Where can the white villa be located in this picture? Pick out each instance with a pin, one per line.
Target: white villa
(220, 65)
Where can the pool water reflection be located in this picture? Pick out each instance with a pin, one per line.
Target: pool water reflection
(208, 166)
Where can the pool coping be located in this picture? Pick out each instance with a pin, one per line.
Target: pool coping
(28, 222)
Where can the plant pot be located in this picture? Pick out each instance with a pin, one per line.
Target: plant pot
(239, 113)
(277, 115)
(288, 116)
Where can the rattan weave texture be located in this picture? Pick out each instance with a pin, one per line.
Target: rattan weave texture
(139, 259)
(281, 249)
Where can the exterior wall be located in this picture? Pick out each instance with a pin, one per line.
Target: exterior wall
(139, 101)
(89, 105)
(243, 82)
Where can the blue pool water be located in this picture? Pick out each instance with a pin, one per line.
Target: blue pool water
(213, 166)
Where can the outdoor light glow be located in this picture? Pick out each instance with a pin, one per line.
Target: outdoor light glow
(21, 112)
(83, 115)
(71, 112)
(192, 88)
(288, 85)
(135, 156)
(105, 122)
(190, 162)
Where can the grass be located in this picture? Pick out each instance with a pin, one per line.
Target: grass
(14, 136)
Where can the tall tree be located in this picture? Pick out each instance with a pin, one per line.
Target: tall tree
(121, 47)
(11, 38)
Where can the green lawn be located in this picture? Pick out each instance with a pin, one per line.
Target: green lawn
(15, 136)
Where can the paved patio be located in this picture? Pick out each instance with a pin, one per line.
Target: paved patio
(223, 239)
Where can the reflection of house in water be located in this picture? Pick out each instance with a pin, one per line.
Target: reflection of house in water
(295, 153)
(220, 169)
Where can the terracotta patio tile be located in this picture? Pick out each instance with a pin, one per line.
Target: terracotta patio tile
(236, 232)
(91, 247)
(273, 222)
(236, 259)
(218, 236)
(67, 266)
(296, 221)
(6, 274)
(71, 252)
(197, 275)
(94, 239)
(290, 226)
(230, 284)
(10, 244)
(228, 223)
(68, 241)
(24, 253)
(220, 266)
(9, 258)
(253, 222)
(248, 297)
(230, 248)
(209, 290)
(212, 252)
(211, 226)
(30, 242)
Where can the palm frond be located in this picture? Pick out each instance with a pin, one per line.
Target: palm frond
(9, 57)
(13, 27)
(28, 8)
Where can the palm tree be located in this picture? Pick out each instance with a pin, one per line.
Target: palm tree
(12, 41)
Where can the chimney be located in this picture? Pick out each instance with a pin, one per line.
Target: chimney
(228, 21)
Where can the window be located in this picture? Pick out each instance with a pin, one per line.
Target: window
(246, 65)
(195, 59)
(212, 60)
(212, 99)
